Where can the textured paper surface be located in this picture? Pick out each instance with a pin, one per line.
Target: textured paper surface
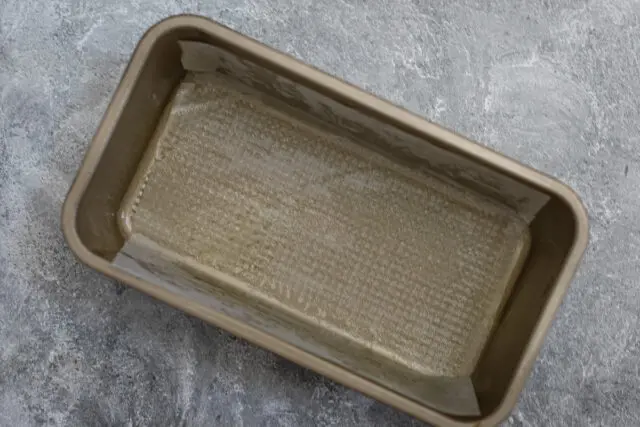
(403, 264)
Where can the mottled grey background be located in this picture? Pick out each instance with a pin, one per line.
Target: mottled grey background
(555, 84)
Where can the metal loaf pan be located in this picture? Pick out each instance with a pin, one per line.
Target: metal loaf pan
(320, 222)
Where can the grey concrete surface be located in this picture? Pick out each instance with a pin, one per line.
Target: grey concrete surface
(555, 84)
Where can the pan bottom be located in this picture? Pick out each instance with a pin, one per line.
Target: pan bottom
(413, 268)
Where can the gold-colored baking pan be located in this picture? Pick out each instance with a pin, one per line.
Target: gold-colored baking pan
(324, 224)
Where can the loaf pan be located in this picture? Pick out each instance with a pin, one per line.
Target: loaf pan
(322, 223)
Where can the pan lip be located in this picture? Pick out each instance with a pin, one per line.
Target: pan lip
(374, 105)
